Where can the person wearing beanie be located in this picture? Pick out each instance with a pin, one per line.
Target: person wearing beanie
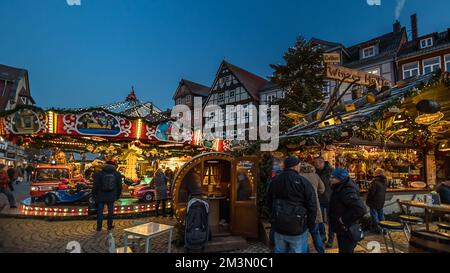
(346, 208)
(294, 209)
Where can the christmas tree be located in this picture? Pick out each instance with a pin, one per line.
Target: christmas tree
(302, 78)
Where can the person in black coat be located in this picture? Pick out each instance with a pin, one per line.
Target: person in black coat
(346, 208)
(324, 170)
(444, 192)
(12, 177)
(107, 190)
(375, 199)
(294, 208)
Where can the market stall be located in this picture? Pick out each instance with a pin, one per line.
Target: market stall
(403, 129)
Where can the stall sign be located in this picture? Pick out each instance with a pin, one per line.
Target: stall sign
(332, 58)
(11, 155)
(95, 123)
(26, 121)
(335, 72)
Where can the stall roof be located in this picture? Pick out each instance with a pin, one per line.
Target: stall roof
(361, 114)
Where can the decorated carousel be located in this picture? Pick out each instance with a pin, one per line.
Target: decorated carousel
(76, 142)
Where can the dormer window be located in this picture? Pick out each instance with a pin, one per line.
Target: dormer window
(428, 42)
(368, 52)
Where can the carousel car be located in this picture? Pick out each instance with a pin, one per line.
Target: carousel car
(47, 177)
(62, 194)
(144, 192)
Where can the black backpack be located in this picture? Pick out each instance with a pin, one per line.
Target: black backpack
(108, 182)
(289, 218)
(197, 229)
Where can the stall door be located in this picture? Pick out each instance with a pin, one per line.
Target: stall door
(244, 211)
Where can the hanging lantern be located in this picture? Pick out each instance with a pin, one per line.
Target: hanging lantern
(428, 106)
(371, 98)
(444, 146)
(428, 119)
(440, 127)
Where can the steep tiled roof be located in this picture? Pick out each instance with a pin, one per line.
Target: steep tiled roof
(196, 88)
(251, 82)
(9, 78)
(388, 45)
(412, 48)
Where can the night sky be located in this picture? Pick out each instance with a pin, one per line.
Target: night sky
(91, 54)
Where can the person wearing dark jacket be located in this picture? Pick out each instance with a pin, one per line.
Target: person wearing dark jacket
(107, 190)
(160, 181)
(375, 199)
(324, 170)
(444, 192)
(346, 208)
(12, 177)
(294, 208)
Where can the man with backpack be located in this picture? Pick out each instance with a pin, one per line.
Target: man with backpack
(294, 208)
(107, 189)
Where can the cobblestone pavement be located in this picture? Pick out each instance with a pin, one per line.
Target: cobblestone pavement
(42, 236)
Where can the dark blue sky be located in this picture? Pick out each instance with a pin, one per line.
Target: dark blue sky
(91, 54)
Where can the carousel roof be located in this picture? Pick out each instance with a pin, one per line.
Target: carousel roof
(133, 107)
(361, 114)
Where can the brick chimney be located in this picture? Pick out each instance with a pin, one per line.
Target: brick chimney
(397, 26)
(414, 28)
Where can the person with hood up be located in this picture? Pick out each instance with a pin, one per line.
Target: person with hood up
(308, 172)
(107, 190)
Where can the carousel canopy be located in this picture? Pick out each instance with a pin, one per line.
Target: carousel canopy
(133, 107)
(378, 105)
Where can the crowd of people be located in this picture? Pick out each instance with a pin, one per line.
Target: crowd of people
(303, 197)
(10, 176)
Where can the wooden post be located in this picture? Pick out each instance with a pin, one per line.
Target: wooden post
(430, 168)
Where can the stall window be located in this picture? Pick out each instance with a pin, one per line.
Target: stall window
(431, 65)
(410, 70)
(447, 63)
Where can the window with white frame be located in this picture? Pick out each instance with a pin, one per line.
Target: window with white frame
(431, 65)
(447, 62)
(232, 93)
(424, 43)
(179, 101)
(188, 99)
(271, 98)
(368, 52)
(410, 70)
(220, 97)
